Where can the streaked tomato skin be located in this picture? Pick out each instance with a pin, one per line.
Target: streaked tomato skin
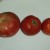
(46, 26)
(9, 24)
(30, 25)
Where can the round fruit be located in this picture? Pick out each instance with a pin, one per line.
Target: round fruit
(46, 26)
(31, 25)
(9, 24)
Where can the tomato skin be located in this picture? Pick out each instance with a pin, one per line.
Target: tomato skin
(46, 26)
(31, 25)
(9, 24)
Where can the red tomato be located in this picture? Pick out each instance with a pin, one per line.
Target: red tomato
(46, 26)
(31, 25)
(9, 24)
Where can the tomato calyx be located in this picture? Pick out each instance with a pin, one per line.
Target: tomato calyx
(34, 22)
(3, 20)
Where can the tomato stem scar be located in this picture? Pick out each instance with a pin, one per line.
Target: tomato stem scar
(34, 22)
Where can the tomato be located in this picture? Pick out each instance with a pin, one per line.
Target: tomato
(31, 25)
(46, 26)
(9, 24)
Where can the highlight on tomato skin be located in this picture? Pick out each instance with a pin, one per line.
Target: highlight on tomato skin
(45, 27)
(9, 24)
(31, 25)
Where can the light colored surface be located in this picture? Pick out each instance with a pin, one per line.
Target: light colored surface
(39, 8)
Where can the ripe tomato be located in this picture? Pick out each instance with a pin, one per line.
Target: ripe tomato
(9, 24)
(31, 25)
(46, 26)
